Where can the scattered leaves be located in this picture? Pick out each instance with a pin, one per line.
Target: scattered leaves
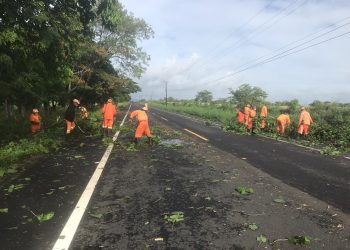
(261, 239)
(96, 216)
(4, 210)
(45, 217)
(174, 217)
(279, 200)
(253, 226)
(300, 240)
(244, 190)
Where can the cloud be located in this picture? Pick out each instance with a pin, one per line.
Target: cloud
(199, 42)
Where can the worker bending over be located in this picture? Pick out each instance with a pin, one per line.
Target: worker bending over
(304, 123)
(142, 125)
(283, 121)
(240, 116)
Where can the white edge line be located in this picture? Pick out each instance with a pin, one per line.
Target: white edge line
(66, 236)
(199, 136)
(302, 146)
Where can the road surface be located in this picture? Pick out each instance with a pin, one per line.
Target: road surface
(323, 177)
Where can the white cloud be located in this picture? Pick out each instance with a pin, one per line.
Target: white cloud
(209, 36)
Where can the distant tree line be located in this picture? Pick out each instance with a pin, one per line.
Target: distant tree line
(53, 50)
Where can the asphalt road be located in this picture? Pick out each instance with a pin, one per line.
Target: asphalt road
(321, 176)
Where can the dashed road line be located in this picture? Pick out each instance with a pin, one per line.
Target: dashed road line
(189, 131)
(66, 236)
(164, 118)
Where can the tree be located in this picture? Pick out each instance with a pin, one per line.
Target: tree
(246, 94)
(204, 96)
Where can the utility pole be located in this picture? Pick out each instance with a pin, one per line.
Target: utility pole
(166, 93)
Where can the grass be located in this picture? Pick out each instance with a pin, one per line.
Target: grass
(330, 133)
(17, 142)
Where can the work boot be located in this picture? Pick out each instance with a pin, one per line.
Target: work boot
(136, 141)
(110, 132)
(150, 142)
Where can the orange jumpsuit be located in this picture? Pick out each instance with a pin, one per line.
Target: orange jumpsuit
(109, 111)
(240, 117)
(263, 115)
(142, 126)
(304, 122)
(282, 121)
(35, 120)
(246, 115)
(251, 116)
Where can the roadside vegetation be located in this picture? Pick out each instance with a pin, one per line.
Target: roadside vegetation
(54, 51)
(330, 132)
(17, 141)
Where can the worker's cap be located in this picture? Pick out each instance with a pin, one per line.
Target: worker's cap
(35, 111)
(145, 108)
(248, 105)
(76, 101)
(254, 107)
(302, 108)
(109, 100)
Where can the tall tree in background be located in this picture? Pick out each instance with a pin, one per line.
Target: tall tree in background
(204, 96)
(245, 94)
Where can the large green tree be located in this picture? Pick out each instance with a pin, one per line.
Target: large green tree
(246, 94)
(204, 96)
(52, 50)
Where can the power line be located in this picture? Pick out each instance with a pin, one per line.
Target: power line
(231, 34)
(274, 58)
(299, 40)
(261, 28)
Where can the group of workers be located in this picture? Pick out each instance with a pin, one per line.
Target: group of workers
(109, 113)
(248, 119)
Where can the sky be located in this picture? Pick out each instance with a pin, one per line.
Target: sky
(292, 49)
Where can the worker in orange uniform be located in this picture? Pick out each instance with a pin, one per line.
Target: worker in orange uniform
(246, 114)
(251, 119)
(109, 112)
(283, 121)
(35, 121)
(263, 115)
(70, 116)
(142, 125)
(304, 123)
(240, 116)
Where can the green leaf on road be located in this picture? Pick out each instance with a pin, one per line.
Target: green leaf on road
(279, 200)
(244, 190)
(45, 217)
(97, 216)
(4, 210)
(174, 217)
(261, 239)
(300, 240)
(253, 226)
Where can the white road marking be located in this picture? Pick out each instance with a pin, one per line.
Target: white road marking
(164, 118)
(302, 146)
(203, 138)
(347, 157)
(66, 236)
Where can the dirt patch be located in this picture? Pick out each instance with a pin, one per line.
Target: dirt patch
(140, 189)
